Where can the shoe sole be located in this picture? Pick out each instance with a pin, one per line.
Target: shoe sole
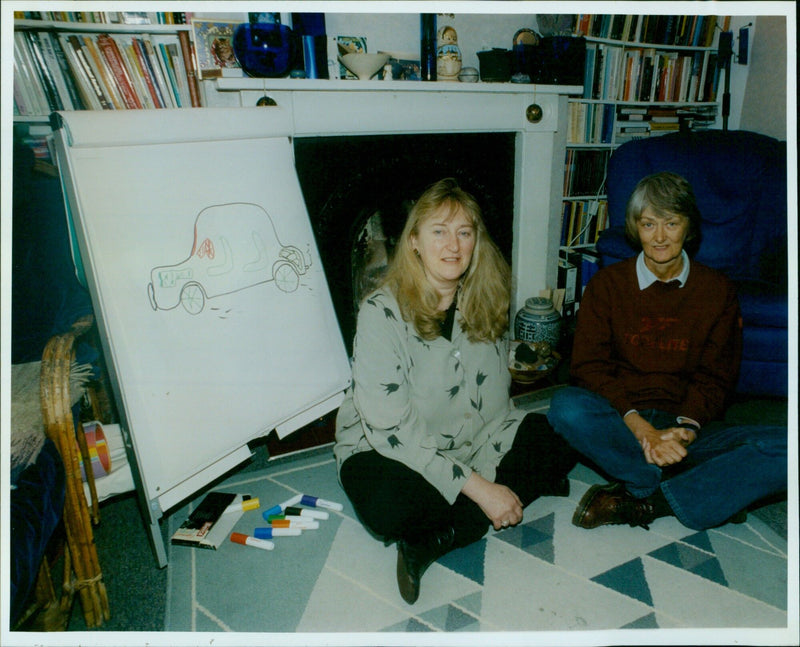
(409, 591)
(583, 504)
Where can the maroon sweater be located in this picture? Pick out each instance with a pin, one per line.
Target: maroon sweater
(665, 347)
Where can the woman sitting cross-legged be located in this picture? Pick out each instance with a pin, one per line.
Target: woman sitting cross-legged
(429, 447)
(655, 358)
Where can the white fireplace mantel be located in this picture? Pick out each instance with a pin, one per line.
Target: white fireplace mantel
(331, 108)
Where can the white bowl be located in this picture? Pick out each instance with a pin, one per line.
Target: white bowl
(364, 66)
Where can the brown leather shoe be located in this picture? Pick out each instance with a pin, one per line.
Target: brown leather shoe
(612, 504)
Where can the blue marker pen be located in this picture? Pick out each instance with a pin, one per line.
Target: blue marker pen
(314, 502)
(269, 533)
(278, 509)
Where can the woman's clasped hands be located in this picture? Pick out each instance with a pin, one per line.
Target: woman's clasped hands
(499, 503)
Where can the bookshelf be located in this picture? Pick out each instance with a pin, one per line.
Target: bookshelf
(101, 60)
(644, 76)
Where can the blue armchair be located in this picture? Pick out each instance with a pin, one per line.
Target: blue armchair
(739, 180)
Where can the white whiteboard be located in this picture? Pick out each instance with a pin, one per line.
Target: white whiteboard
(206, 283)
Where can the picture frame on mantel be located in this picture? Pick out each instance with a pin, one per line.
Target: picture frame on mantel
(213, 44)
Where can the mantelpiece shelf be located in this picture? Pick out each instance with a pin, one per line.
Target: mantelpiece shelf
(243, 84)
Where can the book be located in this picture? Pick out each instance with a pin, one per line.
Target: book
(146, 67)
(209, 525)
(79, 74)
(31, 84)
(51, 59)
(45, 76)
(590, 264)
(133, 64)
(116, 63)
(191, 74)
(160, 77)
(167, 48)
(85, 60)
(73, 88)
(103, 72)
(567, 279)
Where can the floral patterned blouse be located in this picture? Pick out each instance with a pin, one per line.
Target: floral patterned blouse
(440, 407)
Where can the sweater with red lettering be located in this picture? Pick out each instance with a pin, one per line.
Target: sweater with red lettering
(666, 347)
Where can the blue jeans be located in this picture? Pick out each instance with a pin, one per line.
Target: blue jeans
(727, 468)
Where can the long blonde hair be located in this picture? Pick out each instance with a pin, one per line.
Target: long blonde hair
(485, 292)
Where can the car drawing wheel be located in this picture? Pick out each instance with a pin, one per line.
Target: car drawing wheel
(192, 298)
(295, 257)
(285, 275)
(151, 294)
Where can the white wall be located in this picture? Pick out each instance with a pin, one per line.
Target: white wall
(765, 110)
(400, 32)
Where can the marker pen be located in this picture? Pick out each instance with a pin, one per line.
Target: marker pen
(269, 533)
(304, 512)
(239, 538)
(314, 502)
(244, 505)
(303, 519)
(277, 509)
(294, 523)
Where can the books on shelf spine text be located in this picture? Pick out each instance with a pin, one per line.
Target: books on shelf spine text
(672, 30)
(62, 70)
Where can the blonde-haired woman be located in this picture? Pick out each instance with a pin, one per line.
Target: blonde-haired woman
(429, 447)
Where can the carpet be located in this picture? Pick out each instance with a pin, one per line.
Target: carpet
(545, 575)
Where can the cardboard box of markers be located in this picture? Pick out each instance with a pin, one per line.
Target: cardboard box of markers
(213, 520)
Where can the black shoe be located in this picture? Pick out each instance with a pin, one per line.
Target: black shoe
(561, 488)
(612, 504)
(414, 558)
(739, 517)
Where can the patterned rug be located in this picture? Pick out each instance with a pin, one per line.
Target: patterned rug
(544, 575)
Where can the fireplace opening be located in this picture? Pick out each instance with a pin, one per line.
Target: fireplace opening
(358, 191)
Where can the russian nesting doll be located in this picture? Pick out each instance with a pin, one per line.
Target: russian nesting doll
(448, 55)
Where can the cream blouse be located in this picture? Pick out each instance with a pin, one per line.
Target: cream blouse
(440, 407)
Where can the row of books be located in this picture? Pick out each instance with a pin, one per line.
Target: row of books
(684, 31)
(107, 17)
(602, 123)
(648, 74)
(81, 71)
(582, 221)
(585, 172)
(590, 123)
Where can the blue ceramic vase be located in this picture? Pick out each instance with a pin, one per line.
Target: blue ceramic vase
(537, 320)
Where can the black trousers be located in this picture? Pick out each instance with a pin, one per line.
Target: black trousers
(395, 502)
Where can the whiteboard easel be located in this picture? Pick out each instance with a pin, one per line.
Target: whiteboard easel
(211, 301)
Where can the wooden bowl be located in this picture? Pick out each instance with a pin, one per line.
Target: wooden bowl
(524, 373)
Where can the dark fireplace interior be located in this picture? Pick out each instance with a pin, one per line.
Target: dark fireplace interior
(358, 190)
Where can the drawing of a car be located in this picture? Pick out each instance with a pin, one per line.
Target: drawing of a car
(235, 247)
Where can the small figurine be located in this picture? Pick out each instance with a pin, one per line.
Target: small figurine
(448, 55)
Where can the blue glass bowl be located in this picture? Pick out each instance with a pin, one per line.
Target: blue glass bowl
(265, 49)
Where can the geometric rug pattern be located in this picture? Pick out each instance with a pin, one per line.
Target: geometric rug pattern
(544, 575)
